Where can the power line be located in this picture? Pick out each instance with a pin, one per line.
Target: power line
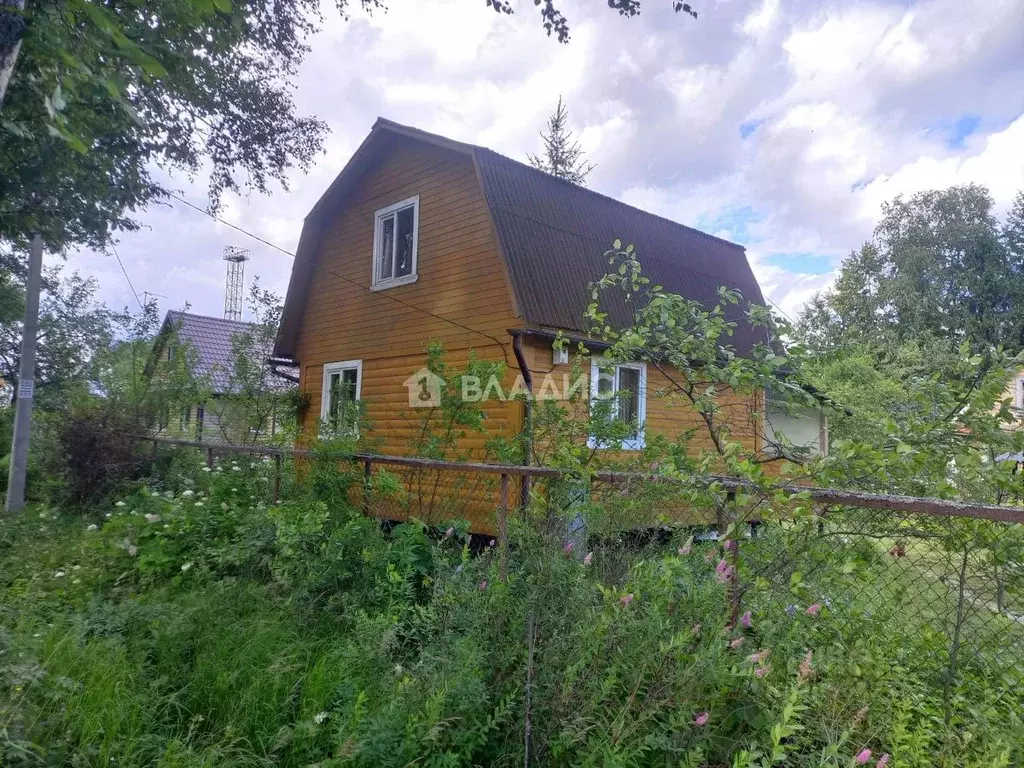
(126, 278)
(349, 280)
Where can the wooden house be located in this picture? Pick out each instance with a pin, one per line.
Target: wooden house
(421, 238)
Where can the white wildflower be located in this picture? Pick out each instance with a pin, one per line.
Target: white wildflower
(224, 505)
(91, 527)
(119, 504)
(76, 567)
(320, 717)
(76, 581)
(199, 503)
(133, 550)
(207, 469)
(151, 518)
(108, 515)
(42, 515)
(188, 493)
(234, 490)
(185, 567)
(59, 575)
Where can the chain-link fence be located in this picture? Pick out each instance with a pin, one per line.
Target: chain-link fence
(948, 575)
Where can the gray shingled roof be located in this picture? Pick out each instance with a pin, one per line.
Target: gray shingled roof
(210, 338)
(553, 236)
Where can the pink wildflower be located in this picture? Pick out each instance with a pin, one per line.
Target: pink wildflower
(812, 610)
(483, 585)
(745, 620)
(570, 547)
(724, 572)
(625, 600)
(491, 544)
(760, 656)
(696, 630)
(737, 642)
(762, 671)
(685, 550)
(589, 558)
(806, 670)
(449, 533)
(730, 545)
(862, 757)
(882, 761)
(701, 719)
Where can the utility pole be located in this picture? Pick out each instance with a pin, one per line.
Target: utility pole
(26, 382)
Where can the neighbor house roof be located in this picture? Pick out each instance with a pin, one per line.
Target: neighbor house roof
(211, 338)
(553, 236)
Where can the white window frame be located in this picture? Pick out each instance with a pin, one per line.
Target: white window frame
(596, 365)
(377, 283)
(325, 385)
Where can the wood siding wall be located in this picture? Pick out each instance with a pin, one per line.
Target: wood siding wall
(666, 415)
(461, 278)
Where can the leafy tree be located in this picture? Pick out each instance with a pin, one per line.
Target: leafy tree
(563, 157)
(73, 329)
(939, 266)
(103, 93)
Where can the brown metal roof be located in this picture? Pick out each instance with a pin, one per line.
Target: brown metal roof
(553, 236)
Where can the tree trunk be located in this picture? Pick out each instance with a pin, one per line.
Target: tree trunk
(12, 26)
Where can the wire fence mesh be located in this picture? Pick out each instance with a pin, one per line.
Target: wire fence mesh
(952, 579)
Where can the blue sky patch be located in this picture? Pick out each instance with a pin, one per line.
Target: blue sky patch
(732, 222)
(956, 131)
(802, 262)
(749, 127)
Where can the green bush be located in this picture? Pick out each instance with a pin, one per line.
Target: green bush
(201, 625)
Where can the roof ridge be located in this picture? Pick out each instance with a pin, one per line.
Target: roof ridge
(209, 317)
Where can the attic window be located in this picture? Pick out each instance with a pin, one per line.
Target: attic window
(395, 232)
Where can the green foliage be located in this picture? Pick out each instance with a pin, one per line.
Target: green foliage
(939, 267)
(102, 94)
(73, 330)
(563, 158)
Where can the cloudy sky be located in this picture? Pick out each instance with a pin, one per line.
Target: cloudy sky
(781, 125)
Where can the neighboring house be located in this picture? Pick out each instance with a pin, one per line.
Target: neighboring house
(424, 238)
(1015, 394)
(238, 407)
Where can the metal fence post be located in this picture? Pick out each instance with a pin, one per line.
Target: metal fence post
(503, 528)
(209, 457)
(277, 477)
(367, 476)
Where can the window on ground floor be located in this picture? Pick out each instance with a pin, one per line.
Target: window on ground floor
(620, 389)
(339, 404)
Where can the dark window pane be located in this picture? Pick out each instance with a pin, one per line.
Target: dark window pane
(387, 244)
(629, 394)
(403, 256)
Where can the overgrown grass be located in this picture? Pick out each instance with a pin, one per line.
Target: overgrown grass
(197, 626)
